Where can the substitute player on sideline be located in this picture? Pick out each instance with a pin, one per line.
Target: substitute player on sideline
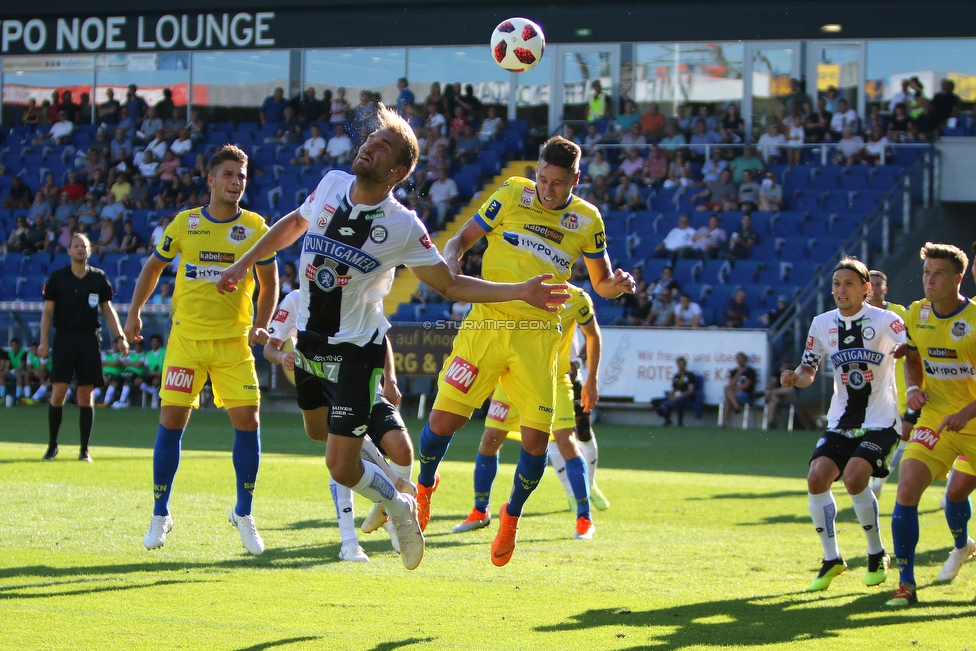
(862, 342)
(356, 234)
(73, 297)
(503, 417)
(942, 349)
(385, 424)
(531, 227)
(212, 334)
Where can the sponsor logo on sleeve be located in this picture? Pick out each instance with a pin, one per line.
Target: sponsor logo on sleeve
(925, 436)
(217, 256)
(492, 211)
(167, 242)
(810, 342)
(528, 194)
(311, 197)
(179, 379)
(323, 220)
(600, 240)
(425, 241)
(498, 411)
(461, 374)
(281, 316)
(898, 326)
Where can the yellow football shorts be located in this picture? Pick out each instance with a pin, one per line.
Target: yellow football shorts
(939, 451)
(962, 465)
(522, 358)
(229, 363)
(503, 415)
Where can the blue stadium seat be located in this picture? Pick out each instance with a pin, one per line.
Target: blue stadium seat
(745, 271)
(609, 314)
(490, 162)
(466, 184)
(836, 201)
(792, 251)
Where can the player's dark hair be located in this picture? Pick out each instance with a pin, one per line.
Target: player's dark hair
(874, 273)
(410, 150)
(562, 153)
(938, 251)
(227, 153)
(855, 265)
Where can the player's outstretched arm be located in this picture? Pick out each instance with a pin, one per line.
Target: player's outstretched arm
(465, 238)
(609, 283)
(594, 350)
(267, 301)
(145, 285)
(914, 377)
(113, 323)
(534, 291)
(288, 229)
(801, 378)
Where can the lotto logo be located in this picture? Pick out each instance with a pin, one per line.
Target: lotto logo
(461, 374)
(498, 411)
(179, 379)
(925, 436)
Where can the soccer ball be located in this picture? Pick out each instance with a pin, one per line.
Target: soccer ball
(517, 44)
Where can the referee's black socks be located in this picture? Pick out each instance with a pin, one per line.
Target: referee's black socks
(53, 424)
(85, 420)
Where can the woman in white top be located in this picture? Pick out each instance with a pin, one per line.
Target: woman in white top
(794, 140)
(339, 106)
(491, 126)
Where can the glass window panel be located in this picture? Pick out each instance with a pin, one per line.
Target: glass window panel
(355, 70)
(37, 78)
(839, 67)
(452, 65)
(890, 61)
(772, 69)
(674, 74)
(234, 84)
(532, 97)
(150, 72)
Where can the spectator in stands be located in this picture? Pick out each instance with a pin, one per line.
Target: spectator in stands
(88, 212)
(682, 120)
(183, 143)
(197, 126)
(404, 96)
(157, 234)
(682, 392)
(310, 109)
(69, 107)
(877, 147)
(687, 313)
(173, 124)
(95, 164)
(633, 137)
(817, 125)
(59, 134)
(20, 195)
(912, 133)
(121, 187)
(638, 315)
(40, 207)
(443, 195)
(709, 239)
(121, 147)
(845, 117)
(850, 148)
(631, 167)
(435, 123)
(467, 146)
(420, 206)
(36, 232)
(106, 242)
(741, 241)
(436, 97)
(655, 169)
(130, 239)
(340, 106)
(599, 104)
(112, 209)
(170, 195)
(97, 184)
(701, 138)
(313, 149)
(740, 387)
(640, 285)
(289, 129)
(904, 96)
(491, 126)
(832, 99)
(31, 115)
(653, 122)
(591, 140)
(627, 196)
(795, 134)
(874, 118)
(770, 193)
(74, 188)
(470, 103)
(168, 167)
(365, 113)
(148, 167)
(662, 311)
(457, 122)
(946, 104)
(199, 169)
(273, 107)
(732, 127)
(705, 113)
(665, 282)
(17, 240)
(803, 102)
(108, 111)
(65, 233)
(164, 296)
(151, 127)
(776, 394)
(748, 161)
(673, 140)
(771, 144)
(626, 120)
(735, 312)
(677, 241)
(51, 108)
(679, 171)
(134, 104)
(598, 166)
(139, 196)
(748, 192)
(50, 189)
(164, 107)
(719, 195)
(65, 209)
(600, 194)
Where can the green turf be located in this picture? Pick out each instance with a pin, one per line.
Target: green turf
(707, 544)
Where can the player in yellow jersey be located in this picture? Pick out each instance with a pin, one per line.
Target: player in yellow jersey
(942, 350)
(531, 228)
(879, 292)
(212, 334)
(503, 417)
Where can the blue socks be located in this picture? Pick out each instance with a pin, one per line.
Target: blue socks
(904, 532)
(485, 469)
(528, 473)
(957, 517)
(247, 458)
(576, 472)
(432, 450)
(166, 459)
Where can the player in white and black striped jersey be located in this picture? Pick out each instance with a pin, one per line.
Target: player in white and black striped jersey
(862, 342)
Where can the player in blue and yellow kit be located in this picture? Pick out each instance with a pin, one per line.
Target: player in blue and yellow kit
(942, 351)
(212, 334)
(532, 228)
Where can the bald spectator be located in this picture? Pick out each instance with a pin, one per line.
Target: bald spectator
(678, 239)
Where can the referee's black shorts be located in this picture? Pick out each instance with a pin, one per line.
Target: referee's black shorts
(76, 354)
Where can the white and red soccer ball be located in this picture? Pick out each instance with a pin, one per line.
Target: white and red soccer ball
(517, 44)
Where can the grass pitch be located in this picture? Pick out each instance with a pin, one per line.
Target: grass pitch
(707, 544)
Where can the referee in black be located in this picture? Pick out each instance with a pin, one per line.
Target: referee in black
(73, 296)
